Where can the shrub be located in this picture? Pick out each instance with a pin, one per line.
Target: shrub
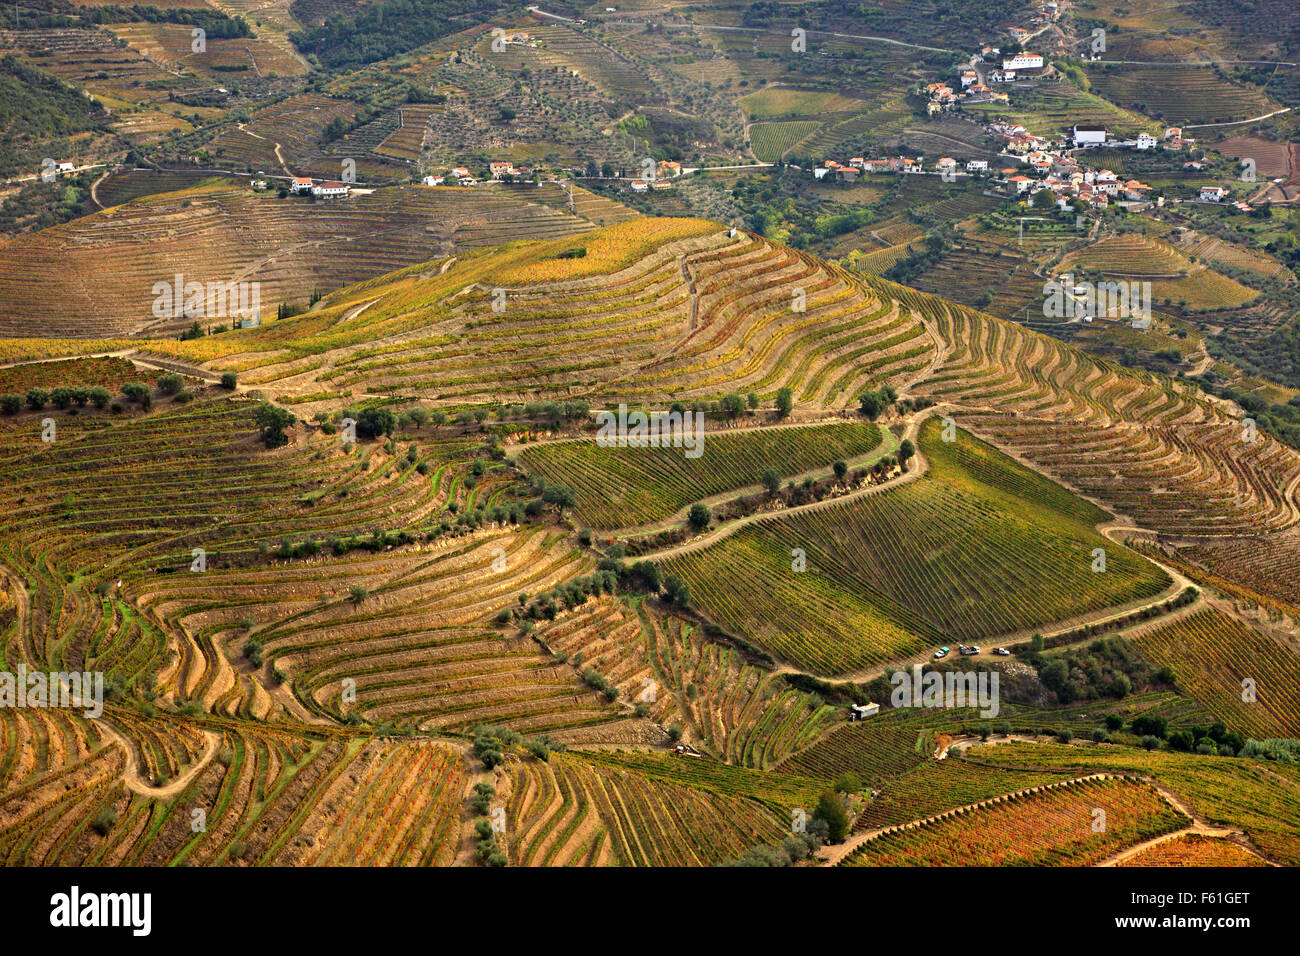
(699, 516)
(36, 398)
(100, 396)
(61, 397)
(104, 821)
(11, 404)
(229, 380)
(784, 402)
(170, 383)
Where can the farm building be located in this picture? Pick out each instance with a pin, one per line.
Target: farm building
(863, 711)
(301, 186)
(1023, 61)
(1089, 135)
(1213, 193)
(330, 190)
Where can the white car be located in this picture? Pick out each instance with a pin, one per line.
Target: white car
(1002, 652)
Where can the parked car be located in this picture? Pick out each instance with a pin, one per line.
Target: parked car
(1002, 652)
(941, 652)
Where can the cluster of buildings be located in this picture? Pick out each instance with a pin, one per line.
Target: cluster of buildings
(306, 186)
(498, 170)
(896, 164)
(665, 170)
(1087, 137)
(941, 96)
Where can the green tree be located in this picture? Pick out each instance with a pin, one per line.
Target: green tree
(732, 405)
(676, 590)
(784, 402)
(373, 422)
(699, 516)
(229, 380)
(271, 422)
(771, 481)
(906, 450)
(831, 812)
(100, 396)
(870, 405)
(36, 398)
(841, 468)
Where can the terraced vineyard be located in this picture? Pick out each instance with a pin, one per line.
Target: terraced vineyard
(1261, 799)
(1195, 850)
(620, 487)
(892, 571)
(727, 705)
(366, 608)
(1213, 656)
(1054, 826)
(56, 275)
(593, 810)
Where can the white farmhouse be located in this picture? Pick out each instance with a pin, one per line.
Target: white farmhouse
(1089, 135)
(1023, 61)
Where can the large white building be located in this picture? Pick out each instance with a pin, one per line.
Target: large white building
(1023, 61)
(1089, 135)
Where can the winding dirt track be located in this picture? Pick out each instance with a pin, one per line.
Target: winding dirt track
(135, 780)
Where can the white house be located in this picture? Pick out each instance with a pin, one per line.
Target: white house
(501, 170)
(66, 167)
(1145, 141)
(863, 711)
(968, 77)
(639, 185)
(1002, 76)
(977, 166)
(330, 190)
(1089, 135)
(301, 186)
(460, 172)
(433, 180)
(1022, 183)
(946, 162)
(820, 172)
(1023, 61)
(1213, 193)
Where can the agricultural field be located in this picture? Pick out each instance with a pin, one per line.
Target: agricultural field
(1055, 826)
(1257, 798)
(771, 141)
(1195, 850)
(897, 563)
(1213, 656)
(622, 487)
(57, 272)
